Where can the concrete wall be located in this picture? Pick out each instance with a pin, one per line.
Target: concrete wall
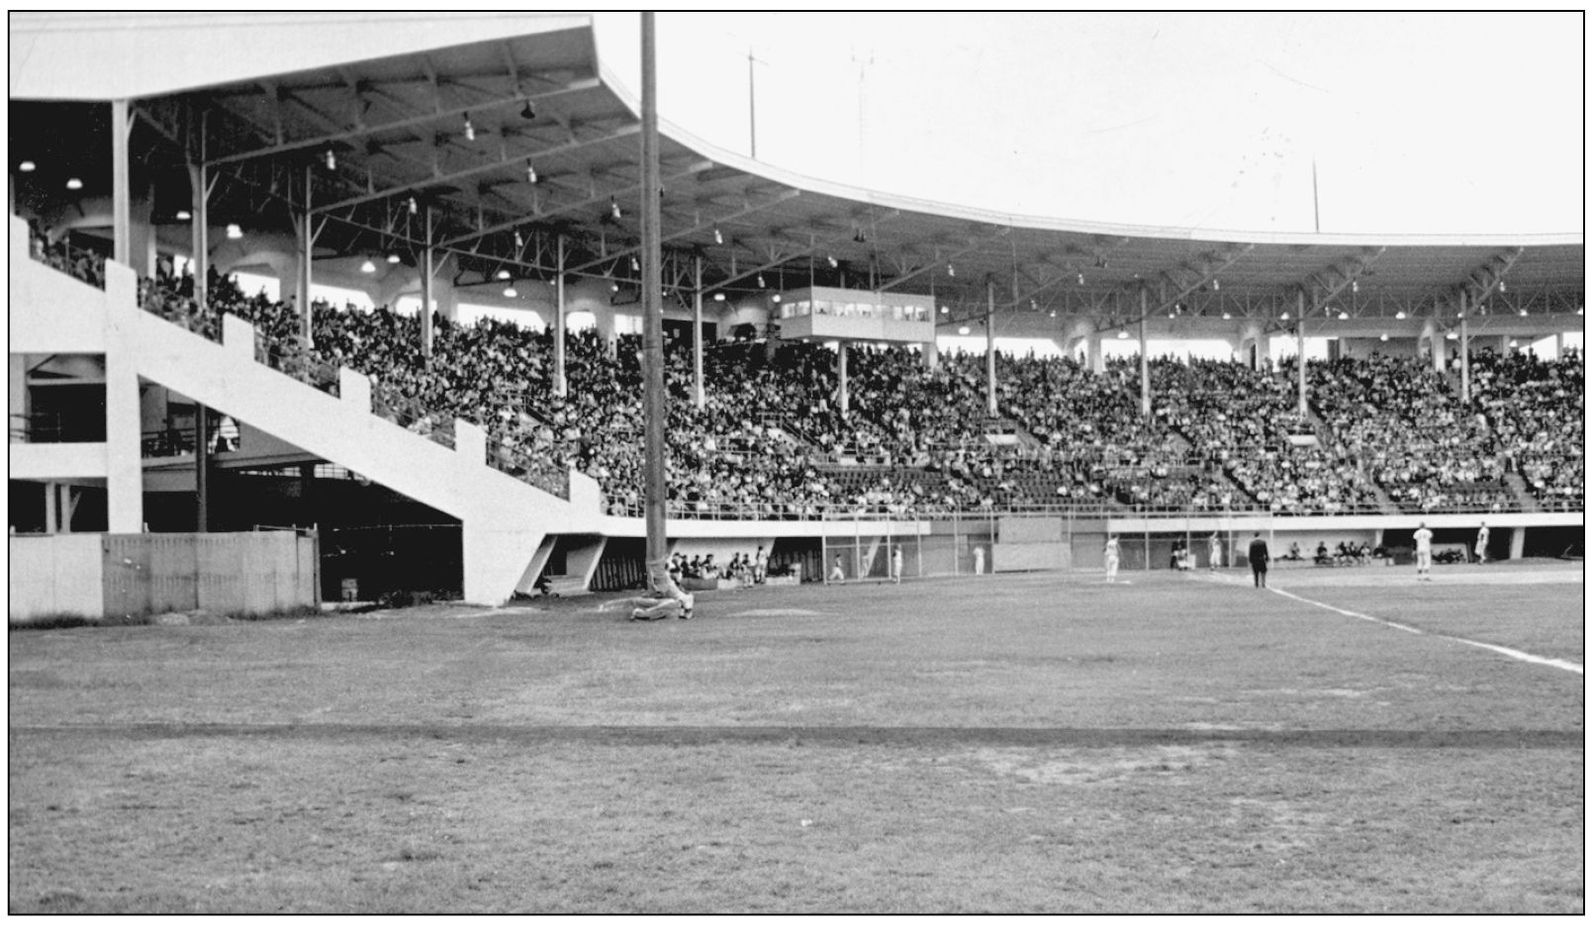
(54, 574)
(241, 573)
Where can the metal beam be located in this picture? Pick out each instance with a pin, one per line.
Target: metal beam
(481, 168)
(693, 230)
(594, 200)
(813, 248)
(973, 244)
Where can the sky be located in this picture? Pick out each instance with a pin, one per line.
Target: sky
(1419, 123)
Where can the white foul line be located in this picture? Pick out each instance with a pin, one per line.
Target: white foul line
(1507, 651)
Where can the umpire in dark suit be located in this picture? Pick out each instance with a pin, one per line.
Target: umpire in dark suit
(1257, 553)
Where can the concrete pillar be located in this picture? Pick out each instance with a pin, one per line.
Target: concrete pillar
(52, 520)
(932, 354)
(124, 477)
(121, 191)
(1462, 345)
(142, 229)
(1093, 353)
(199, 231)
(1516, 551)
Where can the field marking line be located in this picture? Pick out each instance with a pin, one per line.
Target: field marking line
(1505, 651)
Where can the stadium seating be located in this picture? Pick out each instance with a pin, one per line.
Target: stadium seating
(771, 440)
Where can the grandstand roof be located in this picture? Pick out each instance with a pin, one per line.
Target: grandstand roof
(395, 127)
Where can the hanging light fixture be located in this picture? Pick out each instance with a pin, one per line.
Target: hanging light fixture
(951, 271)
(831, 260)
(393, 257)
(1226, 316)
(1400, 315)
(635, 265)
(27, 167)
(531, 172)
(1079, 279)
(368, 267)
(614, 208)
(718, 238)
(233, 231)
(963, 329)
(1123, 333)
(1500, 286)
(509, 292)
(1215, 284)
(1450, 336)
(1284, 316)
(527, 112)
(1354, 286)
(761, 281)
(614, 287)
(74, 183)
(719, 297)
(1343, 316)
(331, 158)
(1523, 312)
(184, 215)
(945, 310)
(519, 241)
(503, 273)
(1384, 336)
(776, 297)
(1512, 343)
(1052, 313)
(470, 130)
(414, 206)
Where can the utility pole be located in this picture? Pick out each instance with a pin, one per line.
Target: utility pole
(653, 366)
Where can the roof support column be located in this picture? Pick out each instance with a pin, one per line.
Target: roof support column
(199, 234)
(1301, 354)
(426, 287)
(1146, 373)
(697, 330)
(841, 377)
(307, 242)
(991, 347)
(121, 191)
(1467, 364)
(559, 317)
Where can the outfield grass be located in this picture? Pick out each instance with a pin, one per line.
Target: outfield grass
(1033, 743)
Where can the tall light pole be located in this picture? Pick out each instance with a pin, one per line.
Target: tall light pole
(653, 360)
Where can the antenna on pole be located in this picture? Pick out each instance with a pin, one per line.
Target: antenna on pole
(753, 134)
(1315, 194)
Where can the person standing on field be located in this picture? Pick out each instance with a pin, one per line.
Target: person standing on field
(837, 574)
(1110, 558)
(1483, 543)
(1257, 554)
(1215, 552)
(1423, 538)
(897, 565)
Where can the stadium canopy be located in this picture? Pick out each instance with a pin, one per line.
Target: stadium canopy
(526, 155)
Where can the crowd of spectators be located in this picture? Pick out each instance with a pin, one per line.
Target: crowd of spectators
(771, 440)
(1400, 419)
(1535, 409)
(85, 264)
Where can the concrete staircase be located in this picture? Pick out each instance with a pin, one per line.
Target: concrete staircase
(1519, 488)
(504, 520)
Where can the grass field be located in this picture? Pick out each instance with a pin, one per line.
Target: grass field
(1033, 743)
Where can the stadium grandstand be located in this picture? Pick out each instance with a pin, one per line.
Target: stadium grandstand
(386, 304)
